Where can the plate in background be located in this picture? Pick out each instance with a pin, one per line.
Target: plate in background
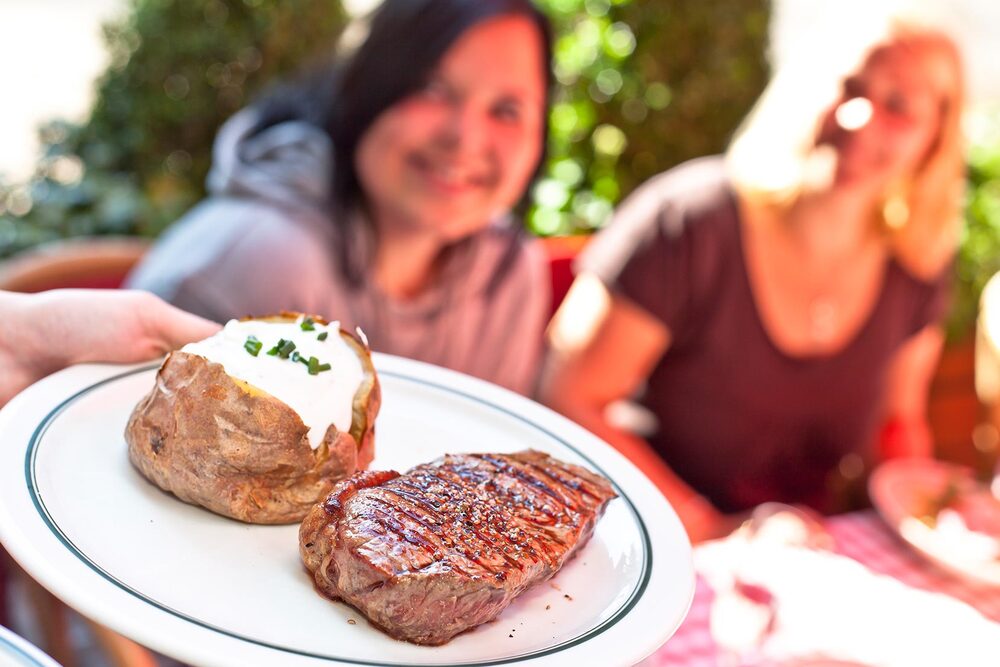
(903, 491)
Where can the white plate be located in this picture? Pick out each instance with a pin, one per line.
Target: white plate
(17, 652)
(212, 591)
(901, 490)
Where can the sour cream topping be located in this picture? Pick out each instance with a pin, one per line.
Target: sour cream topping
(321, 399)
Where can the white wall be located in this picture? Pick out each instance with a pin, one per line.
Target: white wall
(50, 53)
(833, 33)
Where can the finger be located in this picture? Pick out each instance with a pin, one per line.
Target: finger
(172, 327)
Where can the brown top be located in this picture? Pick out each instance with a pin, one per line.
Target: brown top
(740, 420)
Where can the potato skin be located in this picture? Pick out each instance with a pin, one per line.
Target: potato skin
(217, 442)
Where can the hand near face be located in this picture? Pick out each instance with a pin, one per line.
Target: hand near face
(41, 333)
(898, 114)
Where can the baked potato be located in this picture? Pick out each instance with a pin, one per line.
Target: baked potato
(259, 421)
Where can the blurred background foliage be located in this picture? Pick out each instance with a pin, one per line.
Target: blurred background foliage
(979, 252)
(642, 86)
(178, 69)
(674, 78)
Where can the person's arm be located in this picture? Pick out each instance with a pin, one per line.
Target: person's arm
(601, 347)
(906, 431)
(42, 333)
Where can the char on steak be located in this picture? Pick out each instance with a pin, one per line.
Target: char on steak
(450, 544)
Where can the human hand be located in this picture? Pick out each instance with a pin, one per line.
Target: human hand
(41, 333)
(724, 525)
(703, 522)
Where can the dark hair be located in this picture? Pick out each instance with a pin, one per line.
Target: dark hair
(403, 42)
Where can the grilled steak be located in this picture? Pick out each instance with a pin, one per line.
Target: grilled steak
(450, 544)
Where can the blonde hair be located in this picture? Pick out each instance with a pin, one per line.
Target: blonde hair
(773, 158)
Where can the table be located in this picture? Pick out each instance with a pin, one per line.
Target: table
(873, 600)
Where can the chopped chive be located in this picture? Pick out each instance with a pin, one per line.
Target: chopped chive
(308, 324)
(313, 366)
(295, 356)
(323, 335)
(252, 345)
(282, 349)
(323, 367)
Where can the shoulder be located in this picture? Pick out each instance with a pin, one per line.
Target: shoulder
(689, 194)
(224, 239)
(693, 182)
(690, 208)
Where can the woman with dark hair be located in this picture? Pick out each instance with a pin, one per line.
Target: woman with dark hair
(377, 192)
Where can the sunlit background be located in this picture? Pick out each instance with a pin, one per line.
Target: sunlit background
(110, 106)
(52, 52)
(55, 52)
(627, 105)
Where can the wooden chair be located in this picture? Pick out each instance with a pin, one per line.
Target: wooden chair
(77, 263)
(100, 262)
(560, 252)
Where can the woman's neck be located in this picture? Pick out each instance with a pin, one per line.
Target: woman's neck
(405, 264)
(830, 225)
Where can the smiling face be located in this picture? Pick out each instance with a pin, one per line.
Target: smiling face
(453, 155)
(888, 117)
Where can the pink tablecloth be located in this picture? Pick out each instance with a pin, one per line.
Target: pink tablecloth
(865, 539)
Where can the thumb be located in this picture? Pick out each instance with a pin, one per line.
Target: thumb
(172, 327)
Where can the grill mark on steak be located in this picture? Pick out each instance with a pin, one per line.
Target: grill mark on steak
(428, 552)
(415, 499)
(576, 484)
(508, 510)
(459, 543)
(515, 502)
(484, 526)
(435, 551)
(535, 482)
(334, 503)
(390, 522)
(490, 529)
(450, 544)
(415, 509)
(456, 486)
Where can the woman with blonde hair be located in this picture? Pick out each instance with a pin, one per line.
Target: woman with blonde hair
(778, 314)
